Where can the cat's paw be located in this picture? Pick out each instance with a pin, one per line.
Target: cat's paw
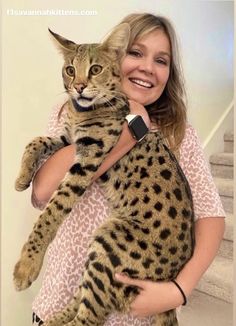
(62, 318)
(51, 322)
(25, 272)
(22, 183)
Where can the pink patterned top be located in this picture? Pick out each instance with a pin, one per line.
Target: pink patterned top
(67, 253)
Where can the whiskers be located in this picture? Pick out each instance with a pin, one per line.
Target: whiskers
(108, 95)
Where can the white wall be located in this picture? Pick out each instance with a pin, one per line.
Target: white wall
(32, 81)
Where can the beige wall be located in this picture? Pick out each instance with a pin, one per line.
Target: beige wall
(32, 82)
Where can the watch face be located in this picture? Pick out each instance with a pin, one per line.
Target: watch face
(138, 127)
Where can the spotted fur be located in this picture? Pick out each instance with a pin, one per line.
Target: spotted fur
(149, 233)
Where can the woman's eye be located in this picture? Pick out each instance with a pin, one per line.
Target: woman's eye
(70, 70)
(134, 53)
(95, 69)
(162, 62)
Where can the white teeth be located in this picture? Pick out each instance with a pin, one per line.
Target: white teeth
(141, 82)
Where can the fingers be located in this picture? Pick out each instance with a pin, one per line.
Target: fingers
(130, 281)
(136, 107)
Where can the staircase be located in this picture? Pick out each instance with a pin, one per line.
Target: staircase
(218, 280)
(211, 303)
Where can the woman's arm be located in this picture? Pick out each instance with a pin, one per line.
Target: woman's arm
(49, 176)
(209, 233)
(157, 297)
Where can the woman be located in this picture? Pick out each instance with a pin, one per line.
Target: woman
(151, 77)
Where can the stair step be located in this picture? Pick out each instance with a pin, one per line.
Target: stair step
(218, 279)
(222, 159)
(203, 309)
(226, 249)
(229, 227)
(229, 142)
(229, 146)
(228, 204)
(225, 187)
(222, 165)
(229, 136)
(222, 171)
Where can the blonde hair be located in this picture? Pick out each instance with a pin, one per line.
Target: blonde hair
(169, 111)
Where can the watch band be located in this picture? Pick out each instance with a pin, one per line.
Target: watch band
(130, 117)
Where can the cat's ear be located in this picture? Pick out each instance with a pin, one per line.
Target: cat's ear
(66, 47)
(118, 40)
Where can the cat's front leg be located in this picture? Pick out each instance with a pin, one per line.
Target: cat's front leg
(70, 190)
(35, 151)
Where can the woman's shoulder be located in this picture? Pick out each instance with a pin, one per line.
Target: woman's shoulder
(191, 147)
(59, 103)
(56, 118)
(190, 131)
(191, 140)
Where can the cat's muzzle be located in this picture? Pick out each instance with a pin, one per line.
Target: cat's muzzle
(82, 108)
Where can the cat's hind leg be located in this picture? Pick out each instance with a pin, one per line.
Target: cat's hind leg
(40, 148)
(67, 314)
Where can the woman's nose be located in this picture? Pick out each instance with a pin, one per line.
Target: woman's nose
(146, 65)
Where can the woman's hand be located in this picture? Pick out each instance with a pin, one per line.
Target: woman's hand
(49, 176)
(125, 142)
(154, 297)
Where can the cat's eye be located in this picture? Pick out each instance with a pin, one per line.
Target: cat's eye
(70, 70)
(95, 69)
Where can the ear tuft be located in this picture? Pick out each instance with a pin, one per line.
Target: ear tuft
(118, 40)
(65, 46)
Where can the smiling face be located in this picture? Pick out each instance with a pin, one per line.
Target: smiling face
(146, 66)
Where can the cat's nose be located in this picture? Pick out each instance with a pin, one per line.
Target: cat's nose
(80, 87)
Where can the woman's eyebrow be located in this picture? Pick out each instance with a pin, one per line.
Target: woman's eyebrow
(164, 53)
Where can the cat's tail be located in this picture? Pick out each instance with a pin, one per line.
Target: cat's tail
(167, 318)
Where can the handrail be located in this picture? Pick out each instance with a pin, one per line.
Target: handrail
(217, 125)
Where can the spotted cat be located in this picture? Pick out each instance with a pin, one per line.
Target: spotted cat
(149, 233)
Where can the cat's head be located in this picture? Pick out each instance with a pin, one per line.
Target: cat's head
(91, 72)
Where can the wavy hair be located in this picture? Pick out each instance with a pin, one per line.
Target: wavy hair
(169, 110)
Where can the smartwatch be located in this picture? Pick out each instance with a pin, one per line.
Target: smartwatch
(137, 126)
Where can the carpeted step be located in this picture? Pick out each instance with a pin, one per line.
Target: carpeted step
(229, 142)
(229, 227)
(203, 309)
(225, 188)
(226, 247)
(222, 165)
(218, 280)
